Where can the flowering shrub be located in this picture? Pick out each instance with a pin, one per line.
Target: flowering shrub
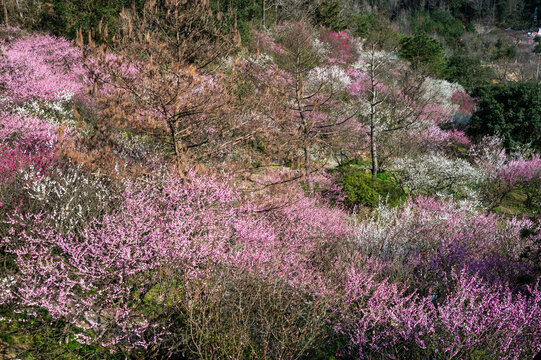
(334, 77)
(360, 82)
(383, 320)
(438, 236)
(123, 278)
(40, 67)
(435, 139)
(27, 129)
(486, 320)
(342, 47)
(174, 230)
(435, 174)
(131, 246)
(71, 198)
(60, 111)
(466, 103)
(266, 42)
(474, 319)
(15, 159)
(442, 92)
(503, 174)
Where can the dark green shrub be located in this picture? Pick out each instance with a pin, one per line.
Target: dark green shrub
(512, 111)
(423, 52)
(363, 23)
(361, 188)
(243, 13)
(328, 14)
(468, 72)
(503, 50)
(439, 22)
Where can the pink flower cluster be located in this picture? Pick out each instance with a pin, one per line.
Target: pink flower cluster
(466, 103)
(436, 113)
(183, 228)
(40, 67)
(360, 82)
(435, 136)
(520, 170)
(473, 318)
(266, 42)
(341, 45)
(27, 129)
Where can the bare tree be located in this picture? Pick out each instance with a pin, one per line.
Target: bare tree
(152, 79)
(310, 109)
(388, 100)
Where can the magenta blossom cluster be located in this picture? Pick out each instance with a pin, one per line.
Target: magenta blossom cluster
(342, 47)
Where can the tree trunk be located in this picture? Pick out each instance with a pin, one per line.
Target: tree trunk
(373, 147)
(537, 72)
(6, 21)
(263, 22)
(176, 148)
(373, 105)
(299, 94)
(275, 12)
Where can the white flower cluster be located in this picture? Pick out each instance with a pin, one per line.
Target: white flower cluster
(489, 155)
(379, 57)
(57, 112)
(321, 47)
(262, 59)
(6, 284)
(332, 76)
(377, 235)
(393, 232)
(440, 92)
(71, 197)
(438, 175)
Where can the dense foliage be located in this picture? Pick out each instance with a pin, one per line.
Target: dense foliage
(423, 51)
(468, 72)
(512, 111)
(517, 14)
(441, 22)
(360, 188)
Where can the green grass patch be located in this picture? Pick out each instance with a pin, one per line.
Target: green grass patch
(516, 204)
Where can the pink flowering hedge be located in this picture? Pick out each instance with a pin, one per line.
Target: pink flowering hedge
(121, 280)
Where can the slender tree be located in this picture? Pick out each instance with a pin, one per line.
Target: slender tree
(306, 86)
(387, 101)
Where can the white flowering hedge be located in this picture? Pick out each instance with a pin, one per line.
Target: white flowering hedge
(436, 174)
